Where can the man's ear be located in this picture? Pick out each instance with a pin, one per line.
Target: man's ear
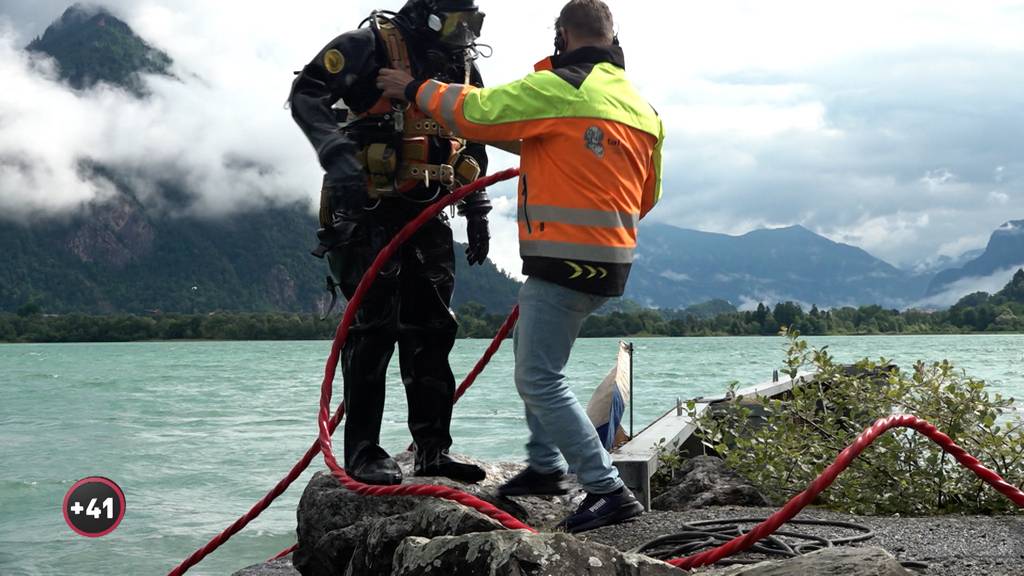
(560, 40)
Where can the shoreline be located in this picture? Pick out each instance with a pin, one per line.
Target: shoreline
(622, 337)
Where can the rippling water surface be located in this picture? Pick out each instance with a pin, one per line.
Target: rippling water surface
(196, 432)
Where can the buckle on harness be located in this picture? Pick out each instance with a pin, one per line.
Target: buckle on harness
(444, 174)
(466, 169)
(428, 127)
(400, 110)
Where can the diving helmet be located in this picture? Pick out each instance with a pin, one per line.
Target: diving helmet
(452, 22)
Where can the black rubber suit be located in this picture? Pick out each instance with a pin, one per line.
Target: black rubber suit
(410, 302)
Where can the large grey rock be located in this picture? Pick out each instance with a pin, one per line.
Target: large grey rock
(326, 506)
(518, 553)
(705, 481)
(279, 567)
(367, 547)
(840, 561)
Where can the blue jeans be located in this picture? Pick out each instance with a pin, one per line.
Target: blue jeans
(550, 318)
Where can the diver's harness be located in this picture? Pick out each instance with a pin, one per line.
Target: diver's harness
(396, 143)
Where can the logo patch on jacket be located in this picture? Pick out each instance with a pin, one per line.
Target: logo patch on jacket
(334, 61)
(594, 137)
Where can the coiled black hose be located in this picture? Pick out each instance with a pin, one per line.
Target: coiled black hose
(706, 534)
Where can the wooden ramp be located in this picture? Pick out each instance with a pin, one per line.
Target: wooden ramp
(637, 460)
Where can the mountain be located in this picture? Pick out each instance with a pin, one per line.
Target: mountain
(676, 268)
(121, 255)
(90, 46)
(1004, 253)
(1014, 291)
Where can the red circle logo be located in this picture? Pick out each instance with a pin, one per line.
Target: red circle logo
(94, 506)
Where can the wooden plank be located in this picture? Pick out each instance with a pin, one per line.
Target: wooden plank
(637, 460)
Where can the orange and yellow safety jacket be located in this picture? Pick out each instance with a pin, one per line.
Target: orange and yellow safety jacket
(590, 161)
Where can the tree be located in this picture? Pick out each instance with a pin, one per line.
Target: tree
(29, 309)
(761, 314)
(1014, 291)
(787, 313)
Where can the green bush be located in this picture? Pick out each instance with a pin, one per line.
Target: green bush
(781, 445)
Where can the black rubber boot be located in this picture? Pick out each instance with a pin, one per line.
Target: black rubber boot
(374, 466)
(448, 467)
(530, 482)
(378, 472)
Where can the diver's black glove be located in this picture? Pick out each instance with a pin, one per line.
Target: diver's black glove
(479, 239)
(345, 228)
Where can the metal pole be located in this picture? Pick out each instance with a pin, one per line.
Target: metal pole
(631, 398)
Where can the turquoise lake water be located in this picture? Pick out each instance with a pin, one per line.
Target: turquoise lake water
(196, 432)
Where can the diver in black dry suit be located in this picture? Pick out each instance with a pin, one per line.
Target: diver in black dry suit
(382, 169)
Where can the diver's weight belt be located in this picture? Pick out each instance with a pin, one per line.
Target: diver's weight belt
(371, 127)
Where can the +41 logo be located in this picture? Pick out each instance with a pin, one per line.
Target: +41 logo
(94, 507)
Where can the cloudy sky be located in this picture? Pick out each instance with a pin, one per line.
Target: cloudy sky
(894, 126)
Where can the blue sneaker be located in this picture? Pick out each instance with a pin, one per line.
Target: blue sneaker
(599, 510)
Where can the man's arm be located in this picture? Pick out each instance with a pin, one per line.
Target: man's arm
(477, 206)
(652, 187)
(478, 203)
(505, 114)
(327, 79)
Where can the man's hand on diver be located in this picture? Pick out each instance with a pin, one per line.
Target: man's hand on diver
(479, 239)
(393, 83)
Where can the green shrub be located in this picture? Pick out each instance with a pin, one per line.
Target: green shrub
(791, 440)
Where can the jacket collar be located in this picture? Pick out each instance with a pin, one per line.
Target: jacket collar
(585, 55)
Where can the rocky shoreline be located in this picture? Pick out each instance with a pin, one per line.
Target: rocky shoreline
(341, 533)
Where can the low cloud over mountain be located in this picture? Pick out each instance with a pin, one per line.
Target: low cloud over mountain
(902, 141)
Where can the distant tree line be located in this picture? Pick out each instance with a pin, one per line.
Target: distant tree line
(30, 324)
(979, 312)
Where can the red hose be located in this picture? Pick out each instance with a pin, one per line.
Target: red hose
(258, 508)
(481, 364)
(326, 390)
(846, 457)
(484, 360)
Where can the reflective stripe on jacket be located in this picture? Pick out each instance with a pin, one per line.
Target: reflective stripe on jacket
(590, 161)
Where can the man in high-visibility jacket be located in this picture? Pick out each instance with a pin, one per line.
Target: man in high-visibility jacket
(590, 148)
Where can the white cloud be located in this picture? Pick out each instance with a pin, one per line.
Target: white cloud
(676, 276)
(903, 139)
(222, 127)
(963, 244)
(957, 290)
(750, 302)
